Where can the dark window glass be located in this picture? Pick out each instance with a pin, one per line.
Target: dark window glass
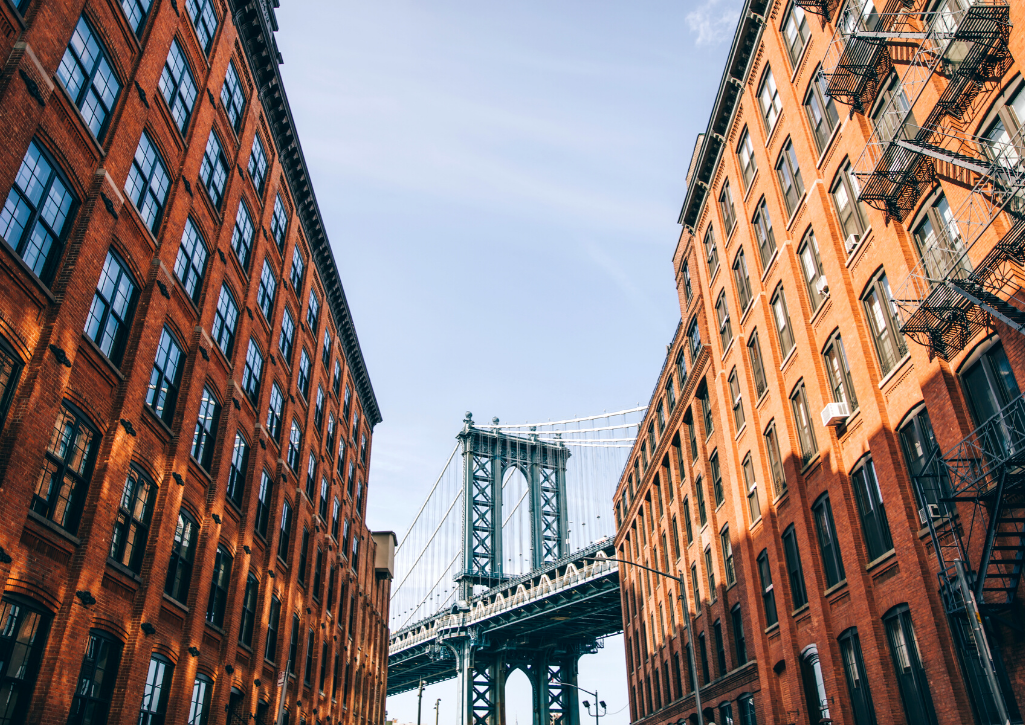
(248, 618)
(811, 269)
(781, 316)
(96, 680)
(35, 214)
(23, 633)
(270, 650)
(717, 489)
(870, 509)
(279, 222)
(789, 174)
(204, 21)
(769, 101)
(258, 165)
(687, 521)
(285, 536)
(881, 310)
(219, 587)
(762, 224)
(313, 312)
(754, 352)
(710, 572)
(711, 252)
(148, 183)
(304, 553)
(298, 269)
(326, 352)
(989, 386)
(225, 320)
(10, 371)
(303, 378)
(318, 410)
(274, 410)
(62, 484)
(287, 338)
(699, 490)
(237, 471)
(794, 568)
(242, 235)
(930, 481)
(213, 171)
(911, 677)
(739, 644)
(190, 264)
(178, 86)
(768, 594)
(252, 371)
(720, 648)
(232, 98)
(746, 156)
(263, 504)
(748, 715)
(156, 691)
(311, 475)
(845, 192)
(821, 110)
(839, 373)
(795, 32)
(706, 672)
(814, 686)
(131, 528)
(805, 432)
(857, 679)
(779, 480)
(199, 705)
(183, 551)
(90, 81)
(318, 574)
(722, 315)
(308, 669)
(162, 393)
(729, 215)
(293, 644)
(110, 314)
(832, 562)
(203, 439)
(742, 280)
(686, 282)
(266, 291)
(135, 11)
(736, 400)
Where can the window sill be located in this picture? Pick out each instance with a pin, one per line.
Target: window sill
(174, 602)
(110, 363)
(740, 432)
(786, 360)
(828, 145)
(862, 244)
(797, 210)
(85, 131)
(25, 268)
(153, 416)
(214, 627)
(803, 608)
(55, 528)
(747, 191)
(763, 397)
(755, 524)
(835, 588)
(811, 463)
(746, 311)
(123, 570)
(725, 352)
(896, 369)
(769, 263)
(820, 308)
(880, 560)
(771, 628)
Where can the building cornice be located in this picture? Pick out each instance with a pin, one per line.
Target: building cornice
(256, 24)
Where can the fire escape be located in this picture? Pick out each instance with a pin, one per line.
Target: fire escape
(958, 288)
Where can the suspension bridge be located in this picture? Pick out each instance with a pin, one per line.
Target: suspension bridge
(506, 564)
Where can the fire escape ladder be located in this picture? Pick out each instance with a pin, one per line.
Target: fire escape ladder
(991, 303)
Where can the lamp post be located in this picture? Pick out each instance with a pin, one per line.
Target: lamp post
(587, 705)
(436, 705)
(686, 625)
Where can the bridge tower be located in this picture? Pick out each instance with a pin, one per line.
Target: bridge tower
(487, 455)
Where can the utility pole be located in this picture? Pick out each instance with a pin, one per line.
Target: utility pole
(419, 701)
(436, 704)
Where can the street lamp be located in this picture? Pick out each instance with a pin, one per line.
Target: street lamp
(686, 624)
(587, 705)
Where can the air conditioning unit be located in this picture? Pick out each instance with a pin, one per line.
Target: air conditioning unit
(852, 243)
(835, 414)
(933, 511)
(822, 285)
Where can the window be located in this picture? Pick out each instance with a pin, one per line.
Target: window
(303, 379)
(805, 432)
(845, 192)
(720, 657)
(86, 74)
(190, 264)
(10, 371)
(266, 292)
(165, 378)
(325, 354)
(67, 467)
(794, 568)
(331, 578)
(298, 268)
(318, 574)
(706, 410)
(694, 337)
(829, 547)
(687, 522)
(36, 211)
(699, 491)
(939, 242)
(219, 587)
(323, 498)
(199, 707)
(670, 396)
(336, 382)
(248, 619)
(252, 371)
(237, 470)
(768, 595)
(225, 319)
(135, 12)
(907, 661)
(335, 518)
(110, 314)
(762, 224)
(274, 412)
(24, 627)
(789, 174)
(355, 427)
(242, 235)
(270, 650)
(729, 214)
(293, 646)
(795, 32)
(821, 110)
(811, 267)
(717, 489)
(742, 280)
(354, 559)
(746, 156)
(279, 222)
(739, 645)
(857, 678)
(751, 485)
(178, 86)
(295, 444)
(814, 685)
(870, 509)
(737, 400)
(131, 527)
(710, 571)
(263, 504)
(183, 551)
(285, 534)
(722, 314)
(96, 680)
(318, 411)
(204, 21)
(754, 352)
(232, 97)
(313, 312)
(892, 115)
(206, 429)
(781, 317)
(769, 101)
(779, 480)
(287, 337)
(748, 715)
(711, 253)
(156, 691)
(213, 171)
(686, 282)
(147, 183)
(706, 671)
(881, 310)
(989, 386)
(931, 485)
(311, 474)
(308, 669)
(839, 373)
(727, 556)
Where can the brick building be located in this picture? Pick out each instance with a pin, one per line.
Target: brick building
(842, 499)
(185, 413)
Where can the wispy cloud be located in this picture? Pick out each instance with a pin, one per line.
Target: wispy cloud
(713, 21)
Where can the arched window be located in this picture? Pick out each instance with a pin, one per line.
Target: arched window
(814, 685)
(96, 679)
(67, 467)
(219, 587)
(24, 627)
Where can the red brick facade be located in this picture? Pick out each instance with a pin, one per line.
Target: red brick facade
(216, 454)
(854, 577)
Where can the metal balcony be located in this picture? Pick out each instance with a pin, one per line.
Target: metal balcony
(824, 8)
(967, 47)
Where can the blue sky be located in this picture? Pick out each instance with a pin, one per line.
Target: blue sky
(501, 183)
